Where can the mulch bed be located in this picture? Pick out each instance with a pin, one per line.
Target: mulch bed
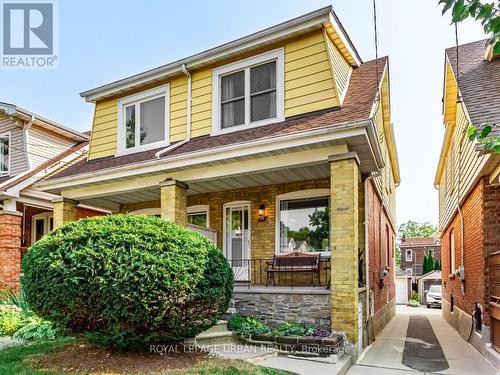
(84, 358)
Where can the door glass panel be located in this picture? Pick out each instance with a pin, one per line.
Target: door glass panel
(39, 229)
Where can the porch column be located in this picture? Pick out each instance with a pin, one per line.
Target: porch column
(64, 211)
(174, 201)
(344, 179)
(10, 249)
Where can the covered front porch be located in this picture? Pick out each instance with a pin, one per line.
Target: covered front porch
(302, 204)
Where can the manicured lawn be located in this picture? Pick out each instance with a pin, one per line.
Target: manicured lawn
(69, 356)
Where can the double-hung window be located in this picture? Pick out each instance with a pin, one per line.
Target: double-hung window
(248, 93)
(143, 120)
(4, 154)
(409, 255)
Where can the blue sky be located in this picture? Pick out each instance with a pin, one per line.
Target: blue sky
(101, 41)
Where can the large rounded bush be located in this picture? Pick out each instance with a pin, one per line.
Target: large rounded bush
(128, 279)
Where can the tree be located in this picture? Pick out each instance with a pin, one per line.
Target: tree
(487, 13)
(416, 230)
(489, 16)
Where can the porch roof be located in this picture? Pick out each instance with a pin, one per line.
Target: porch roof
(357, 107)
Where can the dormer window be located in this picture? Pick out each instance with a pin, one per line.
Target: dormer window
(4, 154)
(143, 120)
(248, 93)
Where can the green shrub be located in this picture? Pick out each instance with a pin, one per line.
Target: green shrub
(35, 328)
(10, 322)
(246, 326)
(128, 280)
(293, 329)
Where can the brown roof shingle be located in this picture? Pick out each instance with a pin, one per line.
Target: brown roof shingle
(479, 81)
(357, 106)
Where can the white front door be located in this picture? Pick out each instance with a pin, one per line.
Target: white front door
(237, 238)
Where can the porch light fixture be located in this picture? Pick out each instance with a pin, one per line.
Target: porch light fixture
(262, 213)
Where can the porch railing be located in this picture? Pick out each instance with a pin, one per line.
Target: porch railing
(211, 234)
(257, 272)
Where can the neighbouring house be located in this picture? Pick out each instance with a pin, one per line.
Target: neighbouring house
(469, 197)
(31, 148)
(280, 147)
(413, 251)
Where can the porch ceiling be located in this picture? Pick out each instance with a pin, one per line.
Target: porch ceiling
(285, 175)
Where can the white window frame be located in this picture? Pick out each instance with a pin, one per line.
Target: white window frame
(409, 272)
(199, 209)
(138, 98)
(9, 158)
(410, 258)
(147, 211)
(46, 216)
(452, 252)
(311, 193)
(277, 55)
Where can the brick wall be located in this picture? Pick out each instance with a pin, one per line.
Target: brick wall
(416, 264)
(474, 257)
(378, 227)
(10, 250)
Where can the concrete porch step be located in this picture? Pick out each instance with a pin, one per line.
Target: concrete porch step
(216, 335)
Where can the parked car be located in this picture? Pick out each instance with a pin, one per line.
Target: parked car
(433, 296)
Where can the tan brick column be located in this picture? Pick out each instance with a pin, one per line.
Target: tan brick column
(64, 211)
(344, 179)
(10, 249)
(174, 201)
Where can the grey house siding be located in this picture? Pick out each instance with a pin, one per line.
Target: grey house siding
(18, 157)
(44, 145)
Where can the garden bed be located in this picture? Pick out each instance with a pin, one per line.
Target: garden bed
(69, 356)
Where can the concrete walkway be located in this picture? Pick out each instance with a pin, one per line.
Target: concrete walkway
(385, 356)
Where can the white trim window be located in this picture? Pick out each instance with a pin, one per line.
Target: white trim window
(143, 120)
(409, 272)
(248, 93)
(303, 221)
(5, 154)
(198, 215)
(409, 255)
(41, 224)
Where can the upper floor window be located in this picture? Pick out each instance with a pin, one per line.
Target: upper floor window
(248, 93)
(4, 154)
(143, 120)
(409, 255)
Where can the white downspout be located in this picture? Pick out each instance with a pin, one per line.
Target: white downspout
(188, 117)
(367, 246)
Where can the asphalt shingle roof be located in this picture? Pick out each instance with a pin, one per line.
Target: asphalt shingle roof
(357, 106)
(479, 81)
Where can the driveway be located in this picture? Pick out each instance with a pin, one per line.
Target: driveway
(420, 340)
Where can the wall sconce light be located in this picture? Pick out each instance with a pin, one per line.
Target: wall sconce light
(262, 213)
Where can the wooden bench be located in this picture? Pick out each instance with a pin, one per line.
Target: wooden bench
(293, 262)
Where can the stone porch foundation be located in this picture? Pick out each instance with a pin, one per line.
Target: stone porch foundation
(272, 306)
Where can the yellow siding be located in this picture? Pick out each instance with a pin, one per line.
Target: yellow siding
(461, 163)
(103, 142)
(178, 109)
(310, 85)
(341, 69)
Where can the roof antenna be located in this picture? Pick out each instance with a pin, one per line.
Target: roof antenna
(377, 96)
(459, 97)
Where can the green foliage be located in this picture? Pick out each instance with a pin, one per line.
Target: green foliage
(414, 296)
(127, 280)
(417, 230)
(10, 322)
(414, 303)
(8, 297)
(484, 137)
(430, 263)
(246, 326)
(397, 256)
(35, 328)
(293, 329)
(487, 13)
